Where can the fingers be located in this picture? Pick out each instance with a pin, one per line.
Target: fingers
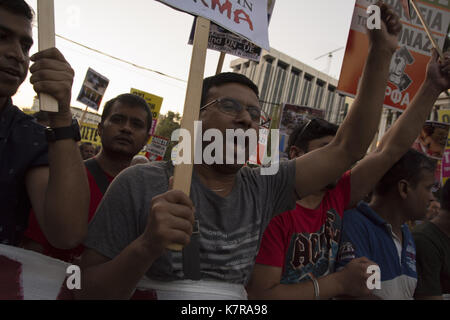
(171, 183)
(178, 197)
(51, 53)
(176, 210)
(53, 88)
(391, 19)
(50, 75)
(49, 64)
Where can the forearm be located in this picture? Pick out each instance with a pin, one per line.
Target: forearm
(402, 135)
(67, 197)
(329, 287)
(360, 125)
(117, 278)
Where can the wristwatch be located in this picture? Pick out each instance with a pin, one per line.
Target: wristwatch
(71, 132)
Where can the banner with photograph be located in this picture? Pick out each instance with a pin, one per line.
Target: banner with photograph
(432, 142)
(291, 117)
(247, 18)
(93, 89)
(408, 65)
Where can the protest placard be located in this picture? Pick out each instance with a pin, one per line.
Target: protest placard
(408, 66)
(227, 42)
(28, 275)
(291, 117)
(432, 142)
(89, 133)
(93, 89)
(154, 103)
(156, 149)
(247, 18)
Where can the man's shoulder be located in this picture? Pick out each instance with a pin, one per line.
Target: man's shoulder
(148, 173)
(359, 218)
(427, 233)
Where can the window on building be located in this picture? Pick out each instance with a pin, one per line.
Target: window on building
(280, 79)
(266, 82)
(306, 92)
(319, 94)
(293, 86)
(330, 103)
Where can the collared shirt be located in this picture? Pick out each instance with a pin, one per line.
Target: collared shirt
(22, 147)
(366, 234)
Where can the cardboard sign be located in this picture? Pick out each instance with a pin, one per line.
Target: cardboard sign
(93, 89)
(89, 133)
(227, 42)
(291, 117)
(247, 18)
(154, 103)
(157, 148)
(432, 142)
(408, 65)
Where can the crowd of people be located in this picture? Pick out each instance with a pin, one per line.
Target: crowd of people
(310, 231)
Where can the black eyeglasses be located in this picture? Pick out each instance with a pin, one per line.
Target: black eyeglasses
(310, 123)
(234, 108)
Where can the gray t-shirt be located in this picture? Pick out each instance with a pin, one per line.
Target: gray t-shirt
(230, 228)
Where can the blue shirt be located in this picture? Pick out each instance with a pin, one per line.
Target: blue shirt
(366, 234)
(22, 147)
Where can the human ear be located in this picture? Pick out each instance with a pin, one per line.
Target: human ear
(403, 189)
(100, 129)
(295, 152)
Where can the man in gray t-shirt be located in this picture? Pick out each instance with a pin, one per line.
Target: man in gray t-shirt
(140, 216)
(229, 237)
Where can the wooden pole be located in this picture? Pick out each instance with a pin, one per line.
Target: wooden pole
(427, 29)
(183, 172)
(46, 33)
(84, 115)
(220, 64)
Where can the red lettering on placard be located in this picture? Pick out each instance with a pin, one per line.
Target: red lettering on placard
(237, 18)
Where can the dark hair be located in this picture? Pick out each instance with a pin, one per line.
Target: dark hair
(18, 7)
(307, 131)
(84, 144)
(224, 78)
(409, 168)
(445, 196)
(130, 100)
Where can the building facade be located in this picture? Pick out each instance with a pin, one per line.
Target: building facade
(282, 79)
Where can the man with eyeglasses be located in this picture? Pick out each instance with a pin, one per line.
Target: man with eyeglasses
(299, 247)
(140, 216)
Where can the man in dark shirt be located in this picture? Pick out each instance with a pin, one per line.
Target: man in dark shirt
(48, 176)
(432, 240)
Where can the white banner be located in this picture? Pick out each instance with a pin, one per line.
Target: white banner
(27, 275)
(247, 18)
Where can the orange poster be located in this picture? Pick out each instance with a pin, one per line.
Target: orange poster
(408, 65)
